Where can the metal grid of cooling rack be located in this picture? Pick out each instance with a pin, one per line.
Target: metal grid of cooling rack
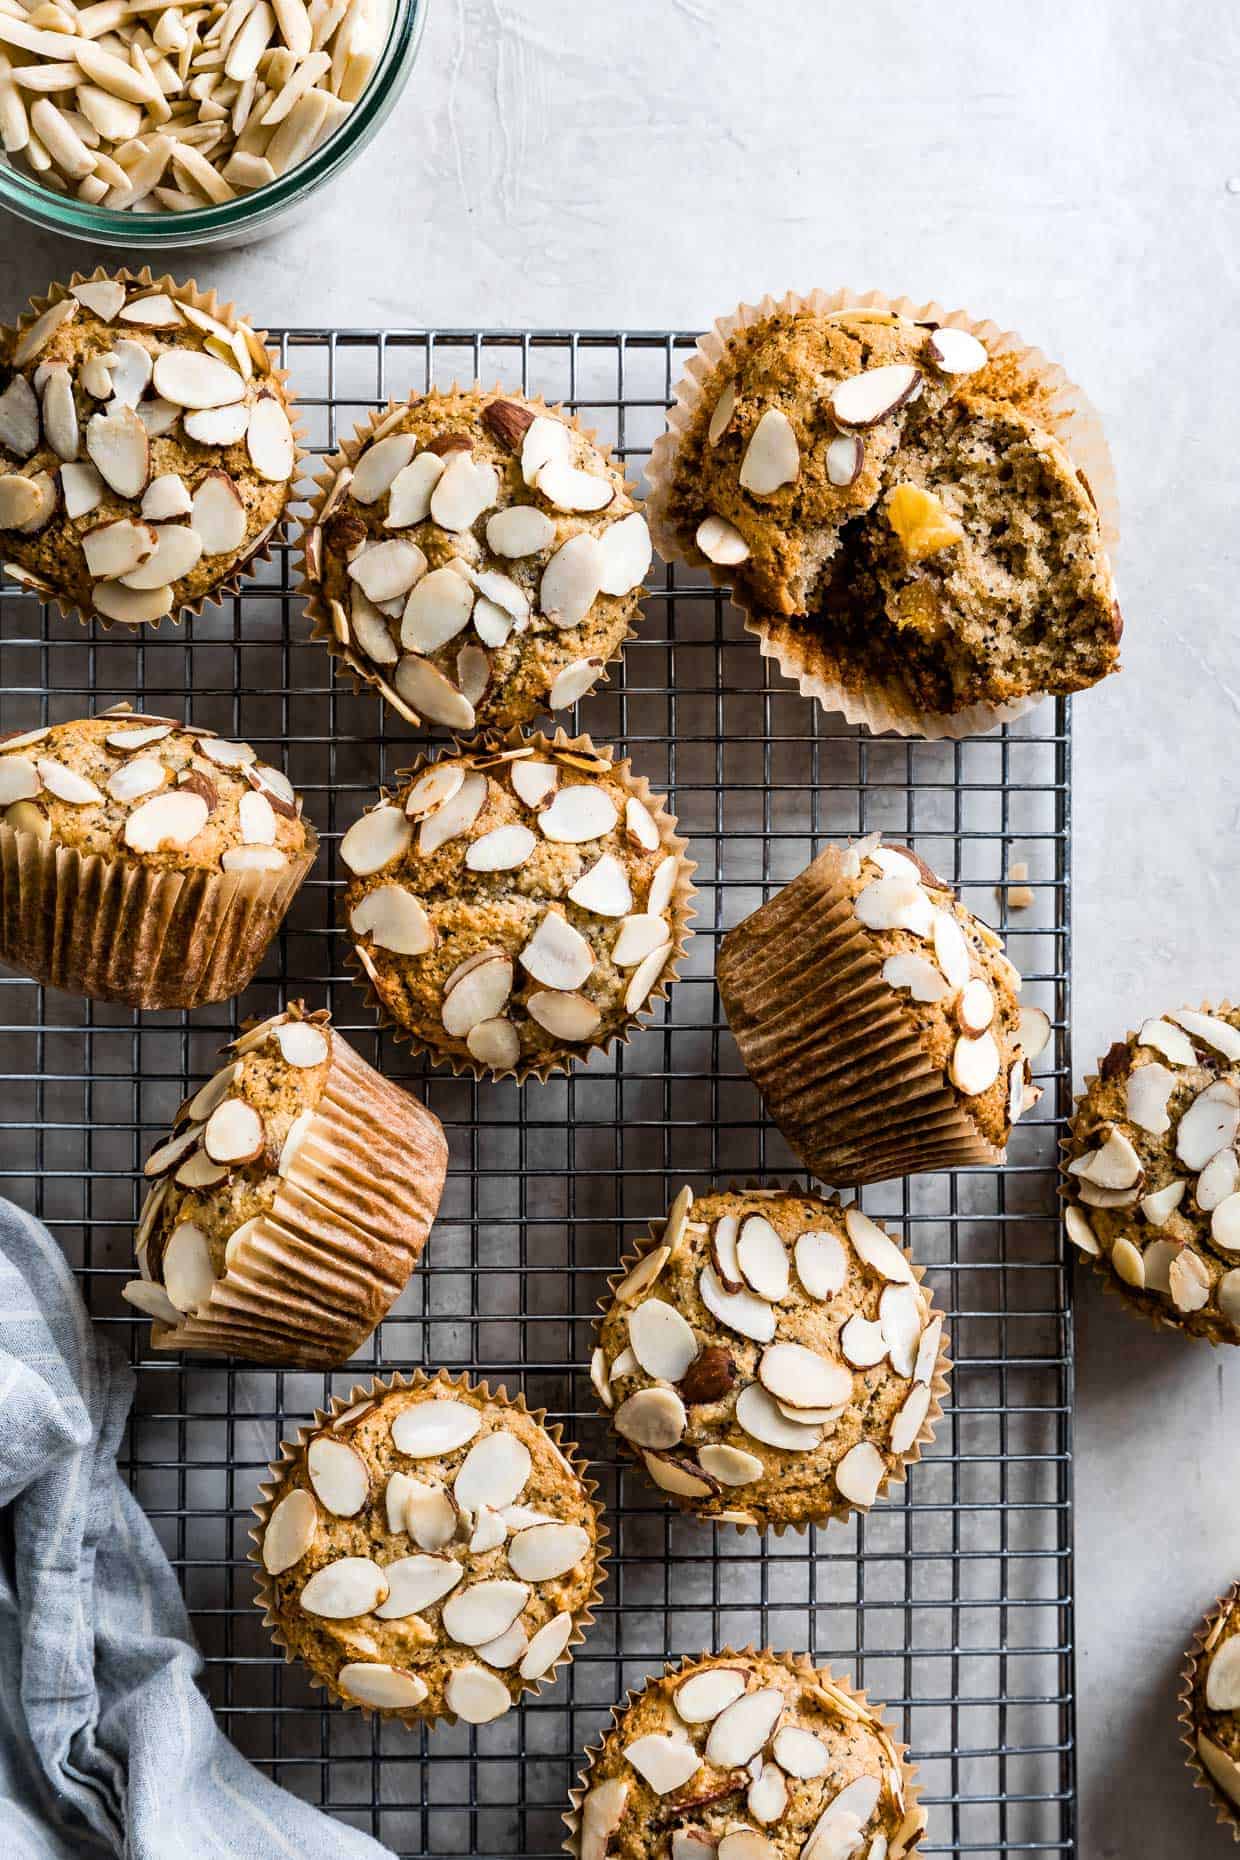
(953, 1601)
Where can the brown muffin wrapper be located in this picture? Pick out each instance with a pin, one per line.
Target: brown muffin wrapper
(903, 1844)
(310, 587)
(1226, 1811)
(829, 1045)
(412, 1718)
(680, 911)
(940, 1383)
(1154, 1308)
(347, 1227)
(118, 930)
(882, 706)
(260, 549)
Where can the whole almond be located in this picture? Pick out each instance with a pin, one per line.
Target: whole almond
(508, 422)
(709, 1376)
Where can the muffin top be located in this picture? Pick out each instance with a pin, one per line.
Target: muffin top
(480, 559)
(903, 489)
(430, 1550)
(145, 449)
(231, 1146)
(1153, 1180)
(750, 1756)
(127, 785)
(510, 906)
(1215, 1702)
(769, 1357)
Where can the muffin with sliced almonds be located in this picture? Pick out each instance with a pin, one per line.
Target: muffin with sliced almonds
(475, 557)
(1151, 1173)
(289, 1203)
(771, 1358)
(146, 448)
(144, 860)
(514, 908)
(1210, 1707)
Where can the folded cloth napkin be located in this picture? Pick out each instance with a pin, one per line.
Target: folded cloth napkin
(106, 1744)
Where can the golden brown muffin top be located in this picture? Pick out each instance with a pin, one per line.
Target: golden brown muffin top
(145, 449)
(770, 1357)
(480, 558)
(432, 1550)
(1153, 1180)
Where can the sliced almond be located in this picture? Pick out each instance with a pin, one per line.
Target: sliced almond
(198, 1171)
(168, 820)
(466, 488)
(638, 1280)
(81, 486)
(865, 399)
(375, 840)
(290, 1531)
(556, 954)
(762, 1258)
(860, 1473)
(773, 456)
(644, 979)
(503, 849)
(340, 1591)
(1209, 1125)
(165, 1156)
(1170, 1041)
(1157, 1208)
(217, 426)
(432, 790)
(572, 580)
(799, 1753)
(975, 1008)
(483, 1611)
(565, 1016)
(844, 458)
(152, 1300)
(545, 441)
(1128, 1263)
(454, 815)
(975, 1064)
(762, 1420)
(494, 1043)
(475, 1695)
(1210, 1030)
(899, 1317)
(379, 465)
(1222, 1689)
(604, 889)
(424, 687)
(572, 682)
(801, 1378)
(385, 1687)
(235, 1133)
(493, 1473)
(426, 1512)
(438, 608)
(684, 1478)
(1189, 1276)
(627, 554)
(602, 1811)
(665, 1763)
(821, 1263)
(19, 780)
(876, 1248)
(546, 1646)
(955, 351)
(767, 1797)
(188, 1274)
(546, 1551)
(386, 571)
(701, 1698)
(568, 487)
(740, 1311)
(1148, 1089)
(742, 1728)
(1225, 1225)
(918, 974)
(428, 1429)
(653, 1418)
(393, 919)
(409, 499)
(415, 1582)
(120, 450)
(142, 775)
(192, 378)
(1115, 1164)
(731, 1465)
(721, 542)
(578, 813)
(338, 1475)
(520, 530)
(19, 418)
(662, 1341)
(218, 515)
(479, 995)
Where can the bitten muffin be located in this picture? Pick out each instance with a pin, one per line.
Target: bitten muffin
(513, 908)
(430, 1550)
(146, 450)
(771, 1358)
(894, 507)
(290, 1202)
(144, 860)
(1210, 1707)
(746, 1756)
(1152, 1179)
(879, 1018)
(477, 558)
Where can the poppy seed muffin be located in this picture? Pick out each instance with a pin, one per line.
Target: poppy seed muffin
(771, 1358)
(879, 1018)
(514, 907)
(429, 1550)
(144, 860)
(1151, 1177)
(290, 1202)
(895, 508)
(747, 1756)
(476, 558)
(1210, 1707)
(146, 450)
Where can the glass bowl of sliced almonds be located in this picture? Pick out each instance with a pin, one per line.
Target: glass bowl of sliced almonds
(160, 123)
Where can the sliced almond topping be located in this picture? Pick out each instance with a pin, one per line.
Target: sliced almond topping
(19, 418)
(975, 1009)
(387, 570)
(60, 421)
(386, 1688)
(721, 542)
(601, 1814)
(409, 499)
(546, 441)
(565, 1016)
(432, 790)
(426, 1429)
(1170, 1041)
(475, 1695)
(975, 1064)
(766, 1799)
(424, 687)
(749, 1316)
(188, 1274)
(379, 464)
(1225, 1225)
(865, 399)
(546, 1646)
(578, 813)
(34, 340)
(465, 489)
(839, 1830)
(192, 378)
(822, 1266)
(489, 1532)
(704, 1695)
(484, 1611)
(860, 1473)
(227, 755)
(652, 1418)
(762, 1258)
(493, 1473)
(19, 780)
(426, 1512)
(235, 1133)
(393, 919)
(876, 1248)
(120, 450)
(301, 1043)
(438, 608)
(1114, 1165)
(899, 1317)
(338, 1475)
(571, 580)
(218, 426)
(198, 1171)
(638, 1280)
(1210, 1030)
(479, 994)
(572, 681)
(1188, 1276)
(1034, 1031)
(503, 849)
(731, 1465)
(520, 530)
(1209, 1125)
(570, 488)
(1157, 1208)
(340, 1591)
(1223, 1678)
(845, 457)
(682, 1477)
(772, 457)
(644, 979)
(1128, 1263)
(862, 1342)
(473, 671)
(142, 775)
(627, 555)
(605, 889)
(918, 975)
(955, 351)
(218, 514)
(556, 954)
(928, 1351)
(665, 1763)
(81, 487)
(761, 1418)
(375, 840)
(414, 1582)
(290, 1531)
(742, 1728)
(547, 1550)
(66, 784)
(908, 1422)
(494, 1043)
(257, 819)
(454, 815)
(165, 1156)
(663, 1343)
(1148, 1089)
(801, 1378)
(152, 1300)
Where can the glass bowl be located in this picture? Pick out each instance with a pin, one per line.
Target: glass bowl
(239, 219)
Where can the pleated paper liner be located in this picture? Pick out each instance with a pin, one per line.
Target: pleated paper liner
(1154, 1307)
(887, 706)
(120, 930)
(259, 550)
(332, 483)
(829, 1044)
(680, 911)
(834, 1694)
(1203, 1759)
(841, 1510)
(363, 1394)
(320, 1269)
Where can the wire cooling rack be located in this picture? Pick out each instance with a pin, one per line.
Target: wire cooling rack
(953, 1600)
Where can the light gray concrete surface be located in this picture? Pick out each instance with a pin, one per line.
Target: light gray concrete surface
(1066, 170)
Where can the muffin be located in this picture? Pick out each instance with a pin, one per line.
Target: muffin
(1210, 1707)
(143, 860)
(475, 557)
(896, 506)
(1151, 1176)
(290, 1202)
(146, 449)
(429, 1549)
(515, 907)
(771, 1358)
(746, 1756)
(879, 1018)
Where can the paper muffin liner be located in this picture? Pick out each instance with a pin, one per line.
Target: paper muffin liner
(883, 706)
(829, 1043)
(329, 489)
(845, 1699)
(1155, 1309)
(1225, 1810)
(362, 1394)
(315, 1275)
(260, 549)
(841, 1510)
(680, 910)
(120, 930)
